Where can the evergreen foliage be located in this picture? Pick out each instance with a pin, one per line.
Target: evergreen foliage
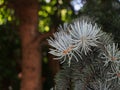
(90, 58)
(107, 14)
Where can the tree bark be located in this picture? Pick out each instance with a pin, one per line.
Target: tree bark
(27, 11)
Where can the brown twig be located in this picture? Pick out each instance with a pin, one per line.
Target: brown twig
(42, 37)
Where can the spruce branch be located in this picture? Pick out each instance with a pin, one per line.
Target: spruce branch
(90, 60)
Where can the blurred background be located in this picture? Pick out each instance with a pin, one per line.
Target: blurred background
(26, 24)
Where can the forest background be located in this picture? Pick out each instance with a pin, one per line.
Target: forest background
(26, 24)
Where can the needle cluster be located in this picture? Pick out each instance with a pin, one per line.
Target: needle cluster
(90, 60)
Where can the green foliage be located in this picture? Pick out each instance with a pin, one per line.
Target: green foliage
(1, 2)
(9, 49)
(52, 13)
(6, 14)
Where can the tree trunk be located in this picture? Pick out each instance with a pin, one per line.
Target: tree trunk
(27, 11)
